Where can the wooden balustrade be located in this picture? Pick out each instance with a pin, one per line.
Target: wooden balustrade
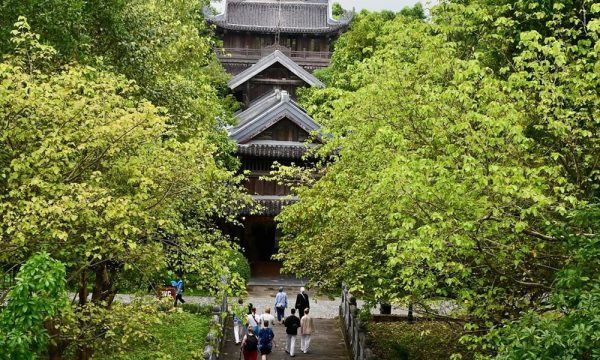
(255, 54)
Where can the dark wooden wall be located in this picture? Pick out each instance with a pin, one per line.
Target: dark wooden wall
(295, 42)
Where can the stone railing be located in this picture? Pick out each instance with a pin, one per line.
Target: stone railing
(215, 337)
(354, 330)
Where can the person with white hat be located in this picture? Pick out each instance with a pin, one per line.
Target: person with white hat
(302, 302)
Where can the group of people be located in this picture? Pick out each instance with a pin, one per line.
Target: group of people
(259, 337)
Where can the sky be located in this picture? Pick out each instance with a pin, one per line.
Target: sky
(366, 4)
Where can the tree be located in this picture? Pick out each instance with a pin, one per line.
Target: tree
(454, 163)
(337, 10)
(100, 178)
(569, 326)
(416, 11)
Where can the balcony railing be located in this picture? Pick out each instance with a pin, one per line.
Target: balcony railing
(255, 54)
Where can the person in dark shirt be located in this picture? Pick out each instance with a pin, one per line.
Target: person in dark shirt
(266, 340)
(292, 323)
(250, 345)
(302, 302)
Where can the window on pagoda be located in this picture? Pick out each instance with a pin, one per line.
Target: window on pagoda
(284, 130)
(257, 186)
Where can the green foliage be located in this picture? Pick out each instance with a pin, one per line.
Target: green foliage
(337, 10)
(197, 309)
(38, 296)
(239, 264)
(169, 54)
(63, 23)
(113, 330)
(354, 46)
(416, 11)
(108, 183)
(179, 335)
(421, 340)
(459, 151)
(569, 327)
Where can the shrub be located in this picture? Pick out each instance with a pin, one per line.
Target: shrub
(38, 296)
(421, 340)
(240, 265)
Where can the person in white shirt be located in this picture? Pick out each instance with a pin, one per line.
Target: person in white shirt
(252, 320)
(267, 318)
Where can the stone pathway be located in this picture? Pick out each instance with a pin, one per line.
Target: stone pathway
(326, 344)
(263, 296)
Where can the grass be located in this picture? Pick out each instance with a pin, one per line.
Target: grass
(180, 336)
(421, 340)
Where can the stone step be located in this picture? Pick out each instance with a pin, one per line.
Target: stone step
(327, 343)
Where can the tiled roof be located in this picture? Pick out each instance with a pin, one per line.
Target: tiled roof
(275, 57)
(267, 111)
(270, 205)
(290, 16)
(273, 149)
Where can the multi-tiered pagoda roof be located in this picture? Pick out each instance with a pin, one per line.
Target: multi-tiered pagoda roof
(286, 16)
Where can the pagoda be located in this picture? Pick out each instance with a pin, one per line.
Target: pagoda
(271, 47)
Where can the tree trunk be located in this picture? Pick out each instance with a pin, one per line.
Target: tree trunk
(103, 289)
(83, 291)
(410, 313)
(84, 353)
(102, 293)
(55, 347)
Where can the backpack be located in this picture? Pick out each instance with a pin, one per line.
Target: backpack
(251, 343)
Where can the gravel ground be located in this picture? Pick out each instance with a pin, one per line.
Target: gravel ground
(264, 296)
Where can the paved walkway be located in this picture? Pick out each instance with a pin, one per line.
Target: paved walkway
(326, 344)
(261, 297)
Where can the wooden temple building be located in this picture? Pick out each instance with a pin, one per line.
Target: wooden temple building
(271, 47)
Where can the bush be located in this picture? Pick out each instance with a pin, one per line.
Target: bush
(196, 308)
(421, 340)
(240, 265)
(180, 336)
(38, 295)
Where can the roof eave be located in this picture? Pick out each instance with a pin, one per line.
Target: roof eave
(265, 62)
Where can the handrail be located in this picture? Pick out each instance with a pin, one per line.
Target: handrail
(353, 329)
(252, 52)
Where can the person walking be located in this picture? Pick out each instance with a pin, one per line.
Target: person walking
(266, 341)
(238, 320)
(307, 328)
(252, 321)
(281, 303)
(302, 302)
(292, 323)
(179, 287)
(249, 346)
(267, 318)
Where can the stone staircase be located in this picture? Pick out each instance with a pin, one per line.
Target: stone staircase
(327, 343)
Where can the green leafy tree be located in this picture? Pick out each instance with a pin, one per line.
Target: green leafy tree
(569, 328)
(101, 179)
(38, 296)
(416, 11)
(459, 150)
(337, 10)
